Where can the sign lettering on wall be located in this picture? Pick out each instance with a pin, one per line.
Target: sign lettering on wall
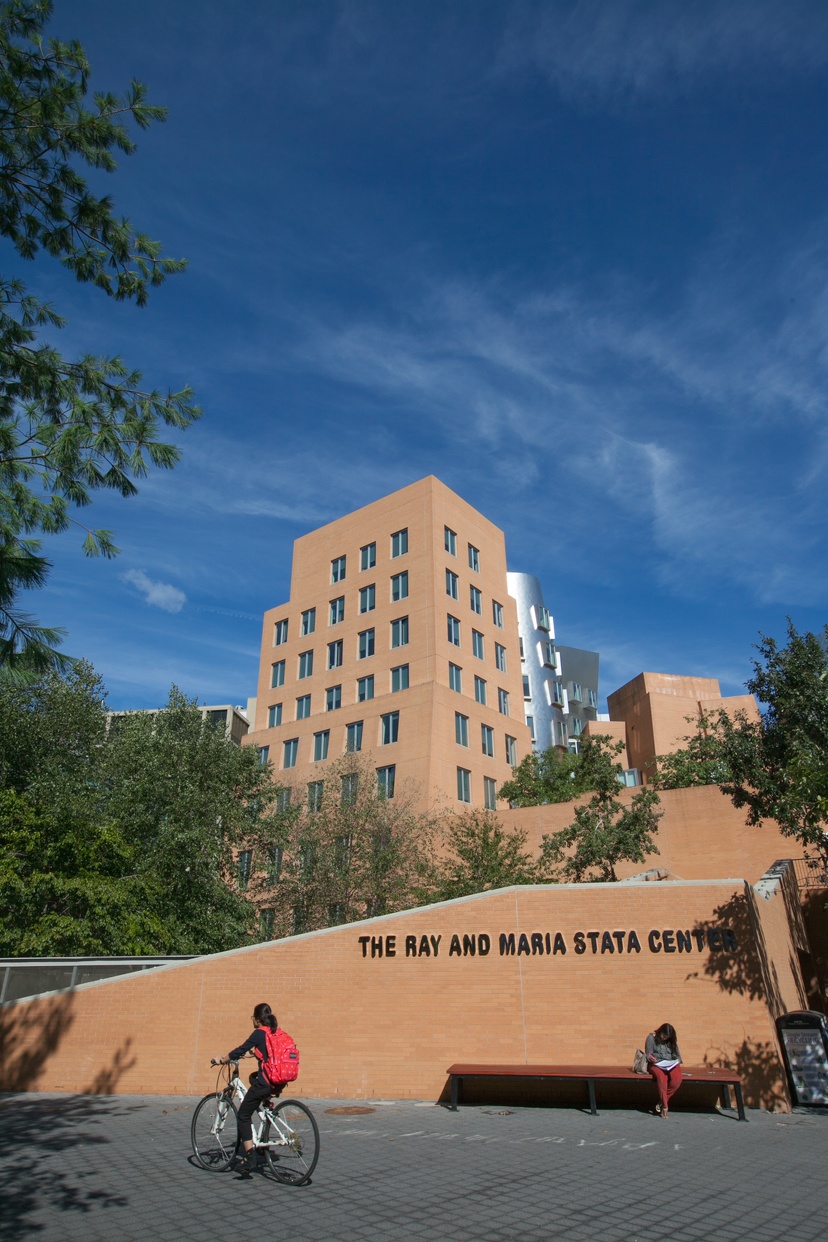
(551, 944)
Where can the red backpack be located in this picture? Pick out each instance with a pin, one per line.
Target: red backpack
(282, 1064)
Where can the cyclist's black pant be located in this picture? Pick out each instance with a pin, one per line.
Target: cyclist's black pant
(256, 1092)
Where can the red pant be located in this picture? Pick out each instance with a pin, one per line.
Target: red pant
(667, 1081)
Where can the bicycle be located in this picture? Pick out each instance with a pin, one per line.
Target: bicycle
(286, 1131)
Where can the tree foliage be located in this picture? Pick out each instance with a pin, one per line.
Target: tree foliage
(561, 776)
(345, 851)
(68, 428)
(604, 831)
(478, 853)
(778, 766)
(699, 762)
(121, 839)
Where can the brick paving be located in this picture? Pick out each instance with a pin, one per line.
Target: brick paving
(120, 1167)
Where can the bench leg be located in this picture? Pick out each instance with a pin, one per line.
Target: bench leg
(725, 1095)
(592, 1108)
(455, 1092)
(740, 1104)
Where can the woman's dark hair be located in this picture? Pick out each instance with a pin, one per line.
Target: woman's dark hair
(263, 1015)
(666, 1034)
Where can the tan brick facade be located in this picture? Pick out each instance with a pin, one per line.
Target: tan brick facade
(328, 580)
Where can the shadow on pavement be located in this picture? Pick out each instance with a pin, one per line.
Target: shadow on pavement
(33, 1131)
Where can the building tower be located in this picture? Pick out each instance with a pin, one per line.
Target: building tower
(560, 684)
(400, 639)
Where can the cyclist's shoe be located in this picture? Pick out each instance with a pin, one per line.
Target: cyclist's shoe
(248, 1163)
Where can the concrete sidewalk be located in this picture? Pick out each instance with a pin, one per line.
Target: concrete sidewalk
(119, 1167)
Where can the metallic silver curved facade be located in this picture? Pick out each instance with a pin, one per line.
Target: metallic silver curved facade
(556, 708)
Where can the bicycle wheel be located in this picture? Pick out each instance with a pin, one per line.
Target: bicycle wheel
(215, 1132)
(292, 1142)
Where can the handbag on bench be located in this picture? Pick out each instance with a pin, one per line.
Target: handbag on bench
(640, 1063)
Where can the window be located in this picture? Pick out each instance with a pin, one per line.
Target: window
(399, 632)
(451, 584)
(592, 698)
(489, 793)
(349, 787)
(453, 630)
(280, 633)
(303, 707)
(353, 737)
(338, 569)
(265, 924)
(557, 693)
(530, 721)
(480, 690)
(456, 678)
(511, 751)
(520, 640)
(540, 616)
(274, 863)
(366, 644)
(474, 558)
(274, 715)
(577, 726)
(291, 750)
(399, 543)
(463, 785)
(368, 556)
(477, 644)
(277, 675)
(282, 799)
(548, 655)
(503, 702)
(335, 654)
(305, 664)
(386, 778)
(527, 693)
(308, 622)
(461, 729)
(390, 728)
(500, 658)
(563, 740)
(337, 610)
(487, 740)
(315, 791)
(575, 692)
(368, 598)
(365, 689)
(475, 600)
(399, 678)
(264, 755)
(497, 614)
(399, 586)
(320, 745)
(333, 698)
(244, 863)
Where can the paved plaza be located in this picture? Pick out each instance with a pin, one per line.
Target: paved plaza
(120, 1167)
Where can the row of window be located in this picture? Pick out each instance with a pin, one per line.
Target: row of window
(481, 689)
(450, 543)
(389, 733)
(368, 555)
(464, 789)
(336, 608)
(454, 634)
(475, 598)
(399, 680)
(366, 647)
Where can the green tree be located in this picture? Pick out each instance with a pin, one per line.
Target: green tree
(347, 848)
(478, 853)
(121, 839)
(604, 831)
(561, 776)
(699, 762)
(67, 427)
(778, 766)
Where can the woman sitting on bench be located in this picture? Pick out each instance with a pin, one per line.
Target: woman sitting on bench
(664, 1060)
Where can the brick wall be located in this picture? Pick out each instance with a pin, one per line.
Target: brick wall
(371, 1024)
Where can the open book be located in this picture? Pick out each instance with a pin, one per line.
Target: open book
(667, 1065)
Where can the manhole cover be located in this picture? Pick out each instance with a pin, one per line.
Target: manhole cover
(349, 1110)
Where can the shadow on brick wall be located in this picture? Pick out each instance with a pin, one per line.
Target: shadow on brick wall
(32, 1032)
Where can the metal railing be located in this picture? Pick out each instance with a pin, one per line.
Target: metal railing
(810, 872)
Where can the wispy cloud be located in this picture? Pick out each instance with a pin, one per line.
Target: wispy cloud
(161, 595)
(592, 50)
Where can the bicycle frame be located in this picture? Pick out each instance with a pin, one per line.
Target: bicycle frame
(236, 1091)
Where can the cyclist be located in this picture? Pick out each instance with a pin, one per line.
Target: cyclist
(260, 1088)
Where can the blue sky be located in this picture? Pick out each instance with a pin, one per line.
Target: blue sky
(569, 257)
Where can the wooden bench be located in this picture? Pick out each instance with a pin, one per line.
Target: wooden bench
(590, 1074)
